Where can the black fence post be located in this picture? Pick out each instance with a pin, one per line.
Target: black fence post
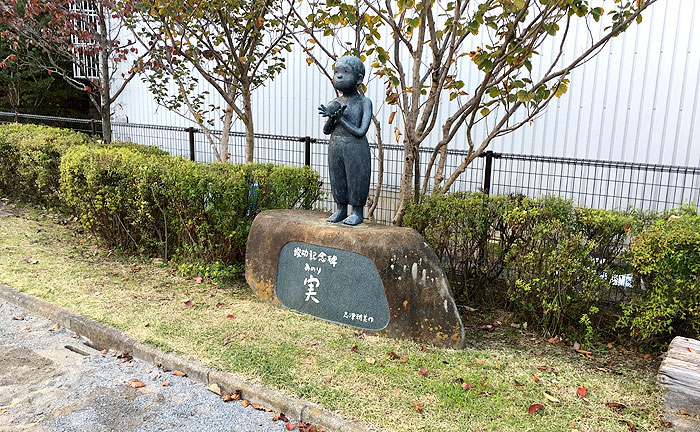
(307, 151)
(190, 131)
(93, 127)
(488, 168)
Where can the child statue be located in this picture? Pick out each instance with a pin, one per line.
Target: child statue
(348, 154)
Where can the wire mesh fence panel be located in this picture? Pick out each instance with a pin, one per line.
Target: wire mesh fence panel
(597, 184)
(589, 183)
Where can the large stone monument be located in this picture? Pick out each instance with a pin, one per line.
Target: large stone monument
(365, 275)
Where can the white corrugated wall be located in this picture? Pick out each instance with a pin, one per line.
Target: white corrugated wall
(637, 101)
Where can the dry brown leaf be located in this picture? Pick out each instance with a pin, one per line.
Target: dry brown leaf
(256, 406)
(683, 412)
(245, 402)
(3, 411)
(189, 303)
(179, 373)
(214, 388)
(479, 362)
(630, 425)
(418, 407)
(166, 383)
(550, 397)
(467, 386)
(135, 383)
(534, 408)
(534, 377)
(404, 360)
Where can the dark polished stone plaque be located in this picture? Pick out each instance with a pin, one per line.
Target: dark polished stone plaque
(332, 284)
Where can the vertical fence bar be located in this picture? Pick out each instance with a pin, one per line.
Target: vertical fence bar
(307, 151)
(93, 127)
(190, 131)
(16, 117)
(488, 168)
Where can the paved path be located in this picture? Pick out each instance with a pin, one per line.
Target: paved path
(51, 381)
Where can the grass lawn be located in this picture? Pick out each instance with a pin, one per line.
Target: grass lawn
(391, 384)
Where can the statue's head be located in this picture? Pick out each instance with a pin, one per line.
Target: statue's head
(348, 73)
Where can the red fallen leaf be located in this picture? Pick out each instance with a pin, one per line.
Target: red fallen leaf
(289, 426)
(690, 350)
(327, 380)
(630, 425)
(467, 386)
(423, 372)
(518, 383)
(219, 304)
(418, 407)
(423, 349)
(189, 303)
(230, 316)
(226, 341)
(136, 383)
(542, 368)
(354, 348)
(534, 377)
(392, 355)
(404, 360)
(534, 408)
(581, 392)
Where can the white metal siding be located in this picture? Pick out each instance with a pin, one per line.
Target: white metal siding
(637, 101)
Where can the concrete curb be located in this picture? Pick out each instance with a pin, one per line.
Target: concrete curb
(105, 337)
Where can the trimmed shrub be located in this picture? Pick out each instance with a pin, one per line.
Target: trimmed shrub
(170, 206)
(547, 260)
(30, 156)
(666, 261)
(29, 161)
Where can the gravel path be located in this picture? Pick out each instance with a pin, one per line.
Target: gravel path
(51, 381)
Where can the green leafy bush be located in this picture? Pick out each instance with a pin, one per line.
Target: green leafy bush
(170, 206)
(29, 161)
(545, 259)
(666, 261)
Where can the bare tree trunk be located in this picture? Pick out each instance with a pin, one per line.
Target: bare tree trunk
(440, 171)
(105, 98)
(380, 173)
(248, 122)
(224, 154)
(406, 184)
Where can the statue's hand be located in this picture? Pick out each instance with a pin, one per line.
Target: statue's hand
(338, 114)
(324, 111)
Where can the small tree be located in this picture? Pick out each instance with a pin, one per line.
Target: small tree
(80, 41)
(422, 65)
(234, 45)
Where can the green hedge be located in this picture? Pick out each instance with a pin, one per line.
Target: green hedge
(173, 206)
(30, 156)
(555, 265)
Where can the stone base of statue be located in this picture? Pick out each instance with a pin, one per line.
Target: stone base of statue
(374, 277)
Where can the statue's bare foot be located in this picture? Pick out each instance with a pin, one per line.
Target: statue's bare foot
(353, 219)
(338, 216)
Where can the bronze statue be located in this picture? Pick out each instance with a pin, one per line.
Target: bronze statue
(348, 153)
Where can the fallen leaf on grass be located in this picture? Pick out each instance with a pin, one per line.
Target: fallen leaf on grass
(646, 356)
(135, 383)
(179, 373)
(534, 408)
(479, 362)
(630, 425)
(418, 407)
(219, 304)
(404, 360)
(197, 279)
(370, 360)
(226, 341)
(166, 383)
(581, 391)
(467, 386)
(537, 353)
(552, 340)
(125, 278)
(616, 407)
(230, 316)
(189, 303)
(392, 355)
(534, 377)
(327, 380)
(423, 372)
(214, 388)
(550, 397)
(354, 348)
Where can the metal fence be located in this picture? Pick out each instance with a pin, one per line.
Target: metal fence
(589, 183)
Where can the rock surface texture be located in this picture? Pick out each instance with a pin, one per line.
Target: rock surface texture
(679, 375)
(416, 291)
